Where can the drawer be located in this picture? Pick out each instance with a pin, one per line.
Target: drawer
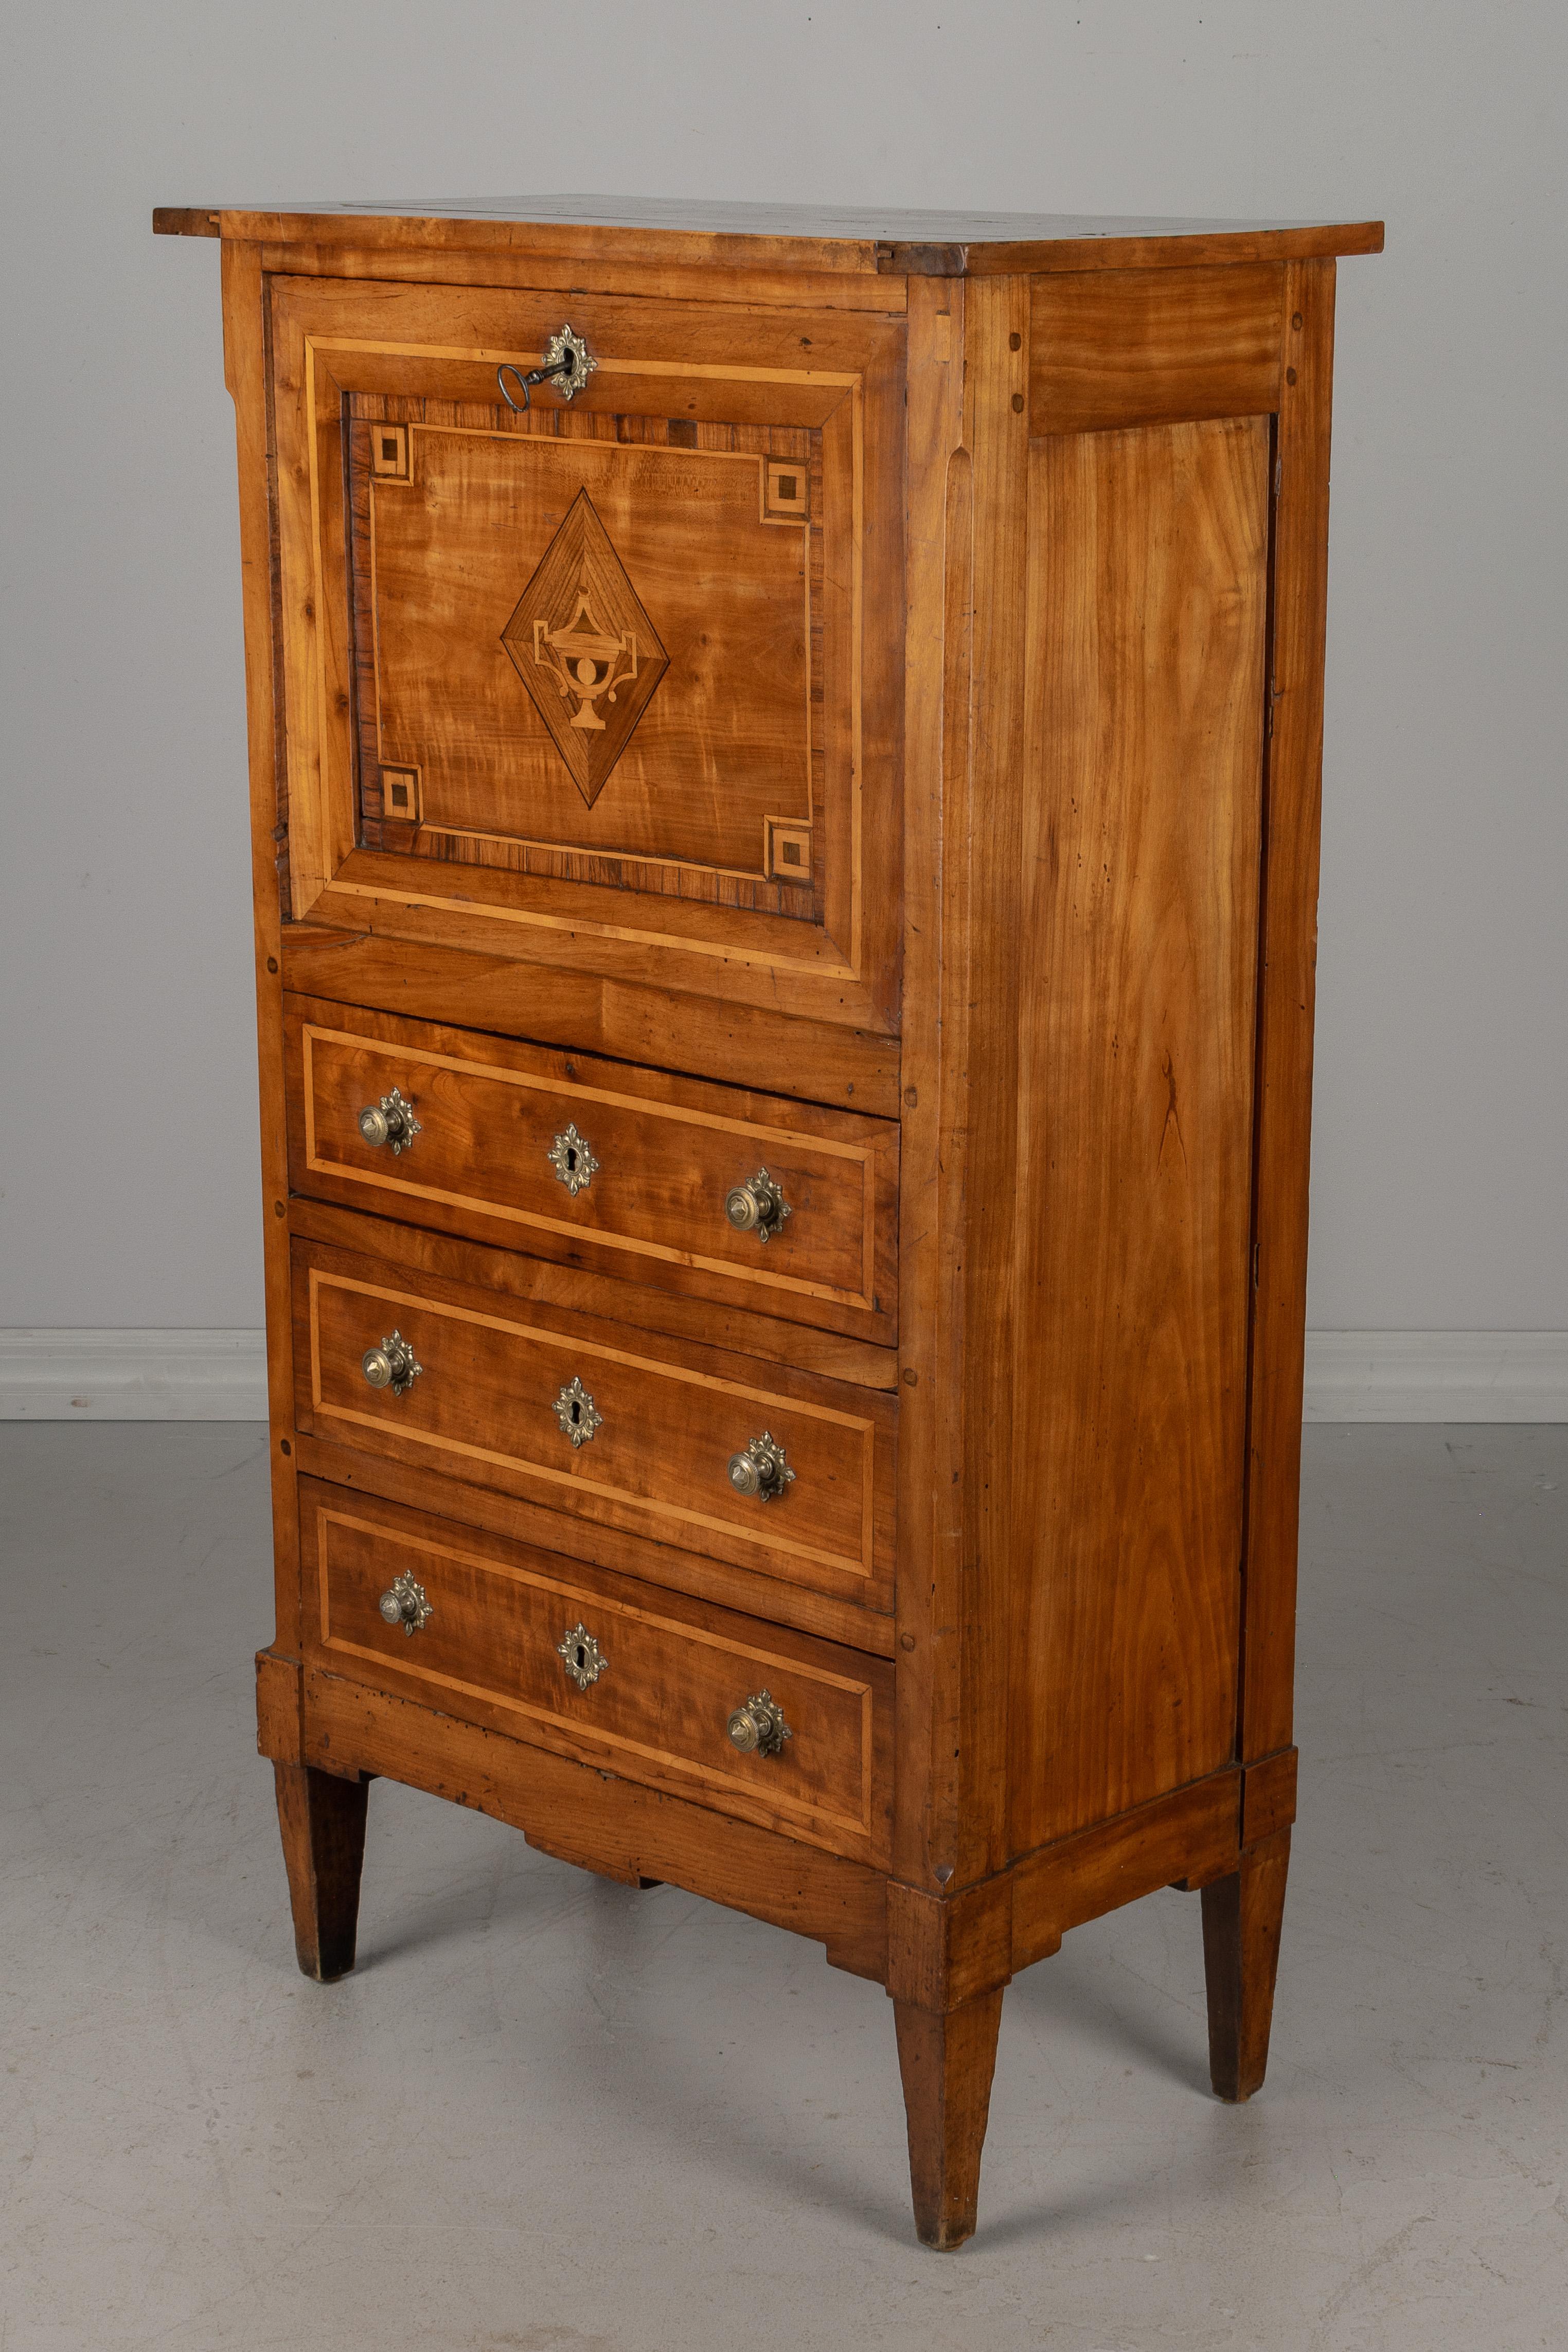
(613, 1424)
(601, 1668)
(598, 1164)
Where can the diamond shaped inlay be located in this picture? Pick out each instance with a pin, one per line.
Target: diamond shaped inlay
(585, 649)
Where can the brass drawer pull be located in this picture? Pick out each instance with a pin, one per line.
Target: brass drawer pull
(758, 1206)
(760, 1469)
(758, 1728)
(578, 1414)
(403, 1603)
(390, 1121)
(573, 1160)
(393, 1365)
(581, 1655)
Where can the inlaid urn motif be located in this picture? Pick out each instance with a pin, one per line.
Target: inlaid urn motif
(584, 647)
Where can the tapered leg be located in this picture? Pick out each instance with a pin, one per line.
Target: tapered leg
(1242, 1917)
(323, 1821)
(947, 2062)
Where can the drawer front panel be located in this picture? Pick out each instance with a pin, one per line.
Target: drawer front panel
(640, 1690)
(604, 1421)
(596, 1164)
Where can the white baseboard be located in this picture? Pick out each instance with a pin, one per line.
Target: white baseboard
(1436, 1376)
(222, 1376)
(132, 1376)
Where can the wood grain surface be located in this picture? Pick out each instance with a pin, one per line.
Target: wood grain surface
(673, 1566)
(769, 705)
(603, 1821)
(630, 1021)
(657, 1711)
(654, 234)
(1243, 1917)
(740, 1329)
(667, 1153)
(739, 721)
(947, 2060)
(321, 1819)
(671, 1415)
(244, 372)
(983, 561)
(1148, 595)
(1293, 811)
(1154, 346)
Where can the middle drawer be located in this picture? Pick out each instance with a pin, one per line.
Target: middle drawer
(596, 1163)
(784, 1473)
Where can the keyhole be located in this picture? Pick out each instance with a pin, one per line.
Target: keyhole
(582, 1657)
(571, 1157)
(576, 1414)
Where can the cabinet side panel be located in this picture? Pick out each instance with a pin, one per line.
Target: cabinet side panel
(1148, 588)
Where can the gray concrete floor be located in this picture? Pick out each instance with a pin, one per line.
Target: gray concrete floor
(554, 2115)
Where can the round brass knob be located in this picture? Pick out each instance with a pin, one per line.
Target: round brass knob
(391, 1120)
(393, 1365)
(759, 1729)
(758, 1206)
(760, 1469)
(403, 1603)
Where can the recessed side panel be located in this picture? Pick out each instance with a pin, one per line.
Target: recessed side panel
(1147, 586)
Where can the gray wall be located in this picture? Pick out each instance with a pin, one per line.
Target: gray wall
(128, 1191)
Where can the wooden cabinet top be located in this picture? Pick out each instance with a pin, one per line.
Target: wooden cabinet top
(880, 241)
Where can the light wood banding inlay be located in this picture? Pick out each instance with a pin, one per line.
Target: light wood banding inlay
(658, 1711)
(668, 1152)
(483, 1408)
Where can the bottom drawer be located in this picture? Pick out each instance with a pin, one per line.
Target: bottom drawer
(636, 1681)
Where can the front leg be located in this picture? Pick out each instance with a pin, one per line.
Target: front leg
(1242, 1919)
(322, 1822)
(947, 2060)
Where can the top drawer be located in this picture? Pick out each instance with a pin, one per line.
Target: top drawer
(597, 1164)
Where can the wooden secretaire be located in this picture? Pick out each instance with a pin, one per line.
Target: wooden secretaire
(785, 758)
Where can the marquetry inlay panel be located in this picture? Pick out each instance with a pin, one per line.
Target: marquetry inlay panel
(584, 647)
(607, 660)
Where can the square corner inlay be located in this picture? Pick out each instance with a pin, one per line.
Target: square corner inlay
(400, 795)
(785, 490)
(786, 856)
(584, 647)
(389, 459)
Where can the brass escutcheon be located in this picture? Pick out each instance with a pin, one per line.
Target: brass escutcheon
(581, 1655)
(571, 1157)
(578, 1414)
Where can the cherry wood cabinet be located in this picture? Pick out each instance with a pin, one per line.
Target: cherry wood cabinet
(785, 762)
